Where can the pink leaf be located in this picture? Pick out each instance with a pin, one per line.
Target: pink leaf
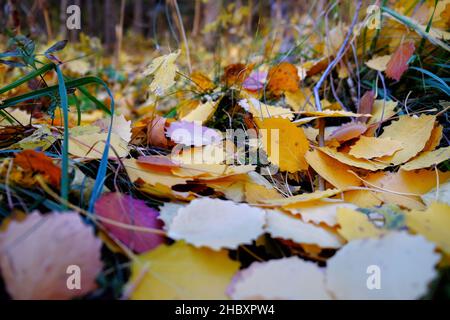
(126, 210)
(40, 253)
(398, 63)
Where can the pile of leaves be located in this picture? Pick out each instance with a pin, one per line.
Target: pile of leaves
(320, 172)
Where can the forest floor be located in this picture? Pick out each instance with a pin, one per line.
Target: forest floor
(311, 165)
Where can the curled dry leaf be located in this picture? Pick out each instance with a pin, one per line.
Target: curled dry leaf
(134, 213)
(217, 224)
(156, 132)
(287, 278)
(405, 265)
(36, 254)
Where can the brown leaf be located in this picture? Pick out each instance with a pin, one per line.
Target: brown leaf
(399, 61)
(38, 162)
(366, 105)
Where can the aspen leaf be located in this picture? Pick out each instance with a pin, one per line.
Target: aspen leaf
(35, 255)
(181, 272)
(356, 225)
(398, 63)
(332, 170)
(287, 278)
(163, 69)
(261, 110)
(91, 146)
(202, 113)
(412, 132)
(405, 263)
(287, 153)
(371, 147)
(432, 223)
(378, 63)
(124, 209)
(217, 224)
(352, 161)
(427, 159)
(287, 227)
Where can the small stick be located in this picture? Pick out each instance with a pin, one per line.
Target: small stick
(328, 70)
(183, 34)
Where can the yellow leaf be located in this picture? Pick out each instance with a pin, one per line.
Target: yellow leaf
(261, 110)
(378, 63)
(352, 161)
(202, 112)
(404, 188)
(164, 70)
(433, 224)
(137, 171)
(428, 159)
(91, 146)
(301, 198)
(297, 100)
(182, 272)
(382, 110)
(284, 143)
(435, 138)
(256, 193)
(333, 114)
(356, 225)
(412, 132)
(371, 147)
(332, 170)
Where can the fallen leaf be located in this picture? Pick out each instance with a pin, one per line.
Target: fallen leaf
(433, 224)
(378, 63)
(261, 110)
(126, 210)
(217, 224)
(412, 132)
(356, 225)
(180, 272)
(427, 159)
(287, 154)
(371, 147)
(287, 278)
(285, 226)
(398, 63)
(202, 113)
(332, 170)
(38, 162)
(163, 69)
(91, 146)
(405, 263)
(281, 78)
(36, 253)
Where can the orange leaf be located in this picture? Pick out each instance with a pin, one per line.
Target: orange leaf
(399, 61)
(283, 77)
(38, 162)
